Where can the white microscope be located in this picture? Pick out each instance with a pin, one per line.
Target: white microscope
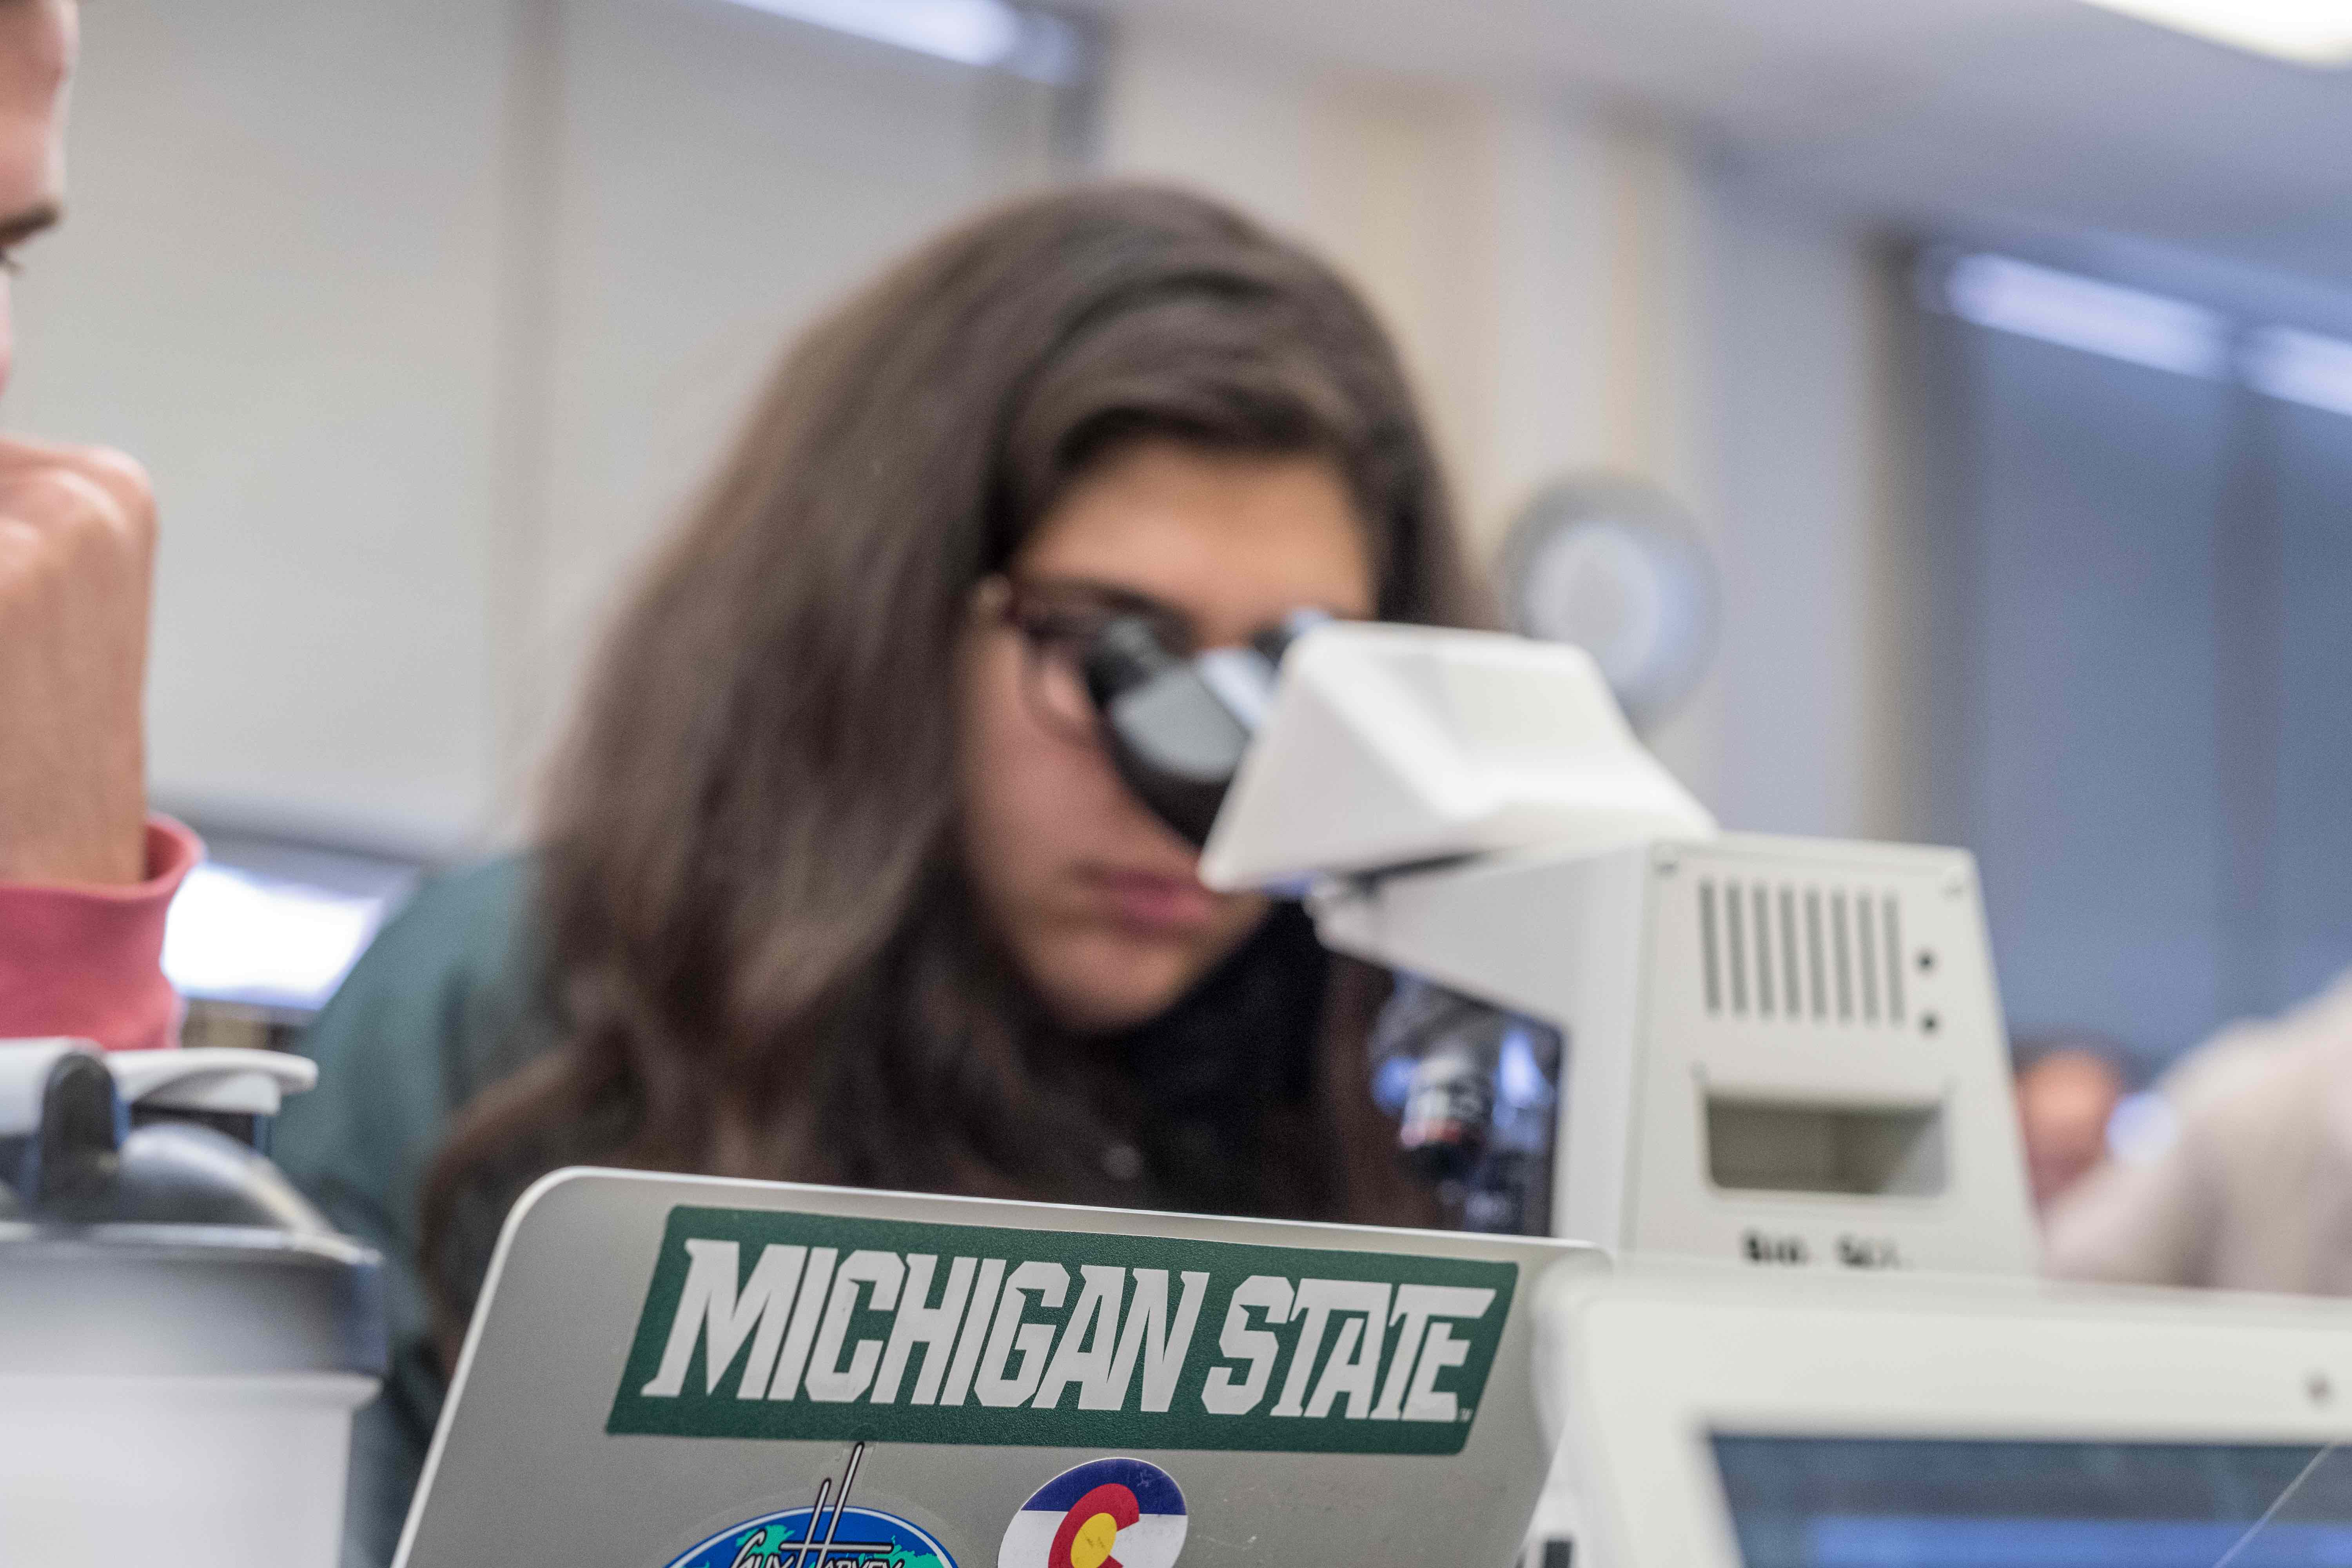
(1787, 1052)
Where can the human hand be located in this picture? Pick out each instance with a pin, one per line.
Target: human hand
(77, 568)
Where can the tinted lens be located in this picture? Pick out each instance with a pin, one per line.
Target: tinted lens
(1054, 684)
(1061, 627)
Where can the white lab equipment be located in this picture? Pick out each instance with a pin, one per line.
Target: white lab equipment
(1741, 1419)
(1782, 1051)
(183, 1339)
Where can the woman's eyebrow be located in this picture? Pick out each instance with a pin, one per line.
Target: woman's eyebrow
(1112, 592)
(1115, 595)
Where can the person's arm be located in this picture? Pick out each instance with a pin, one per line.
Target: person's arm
(84, 876)
(87, 960)
(2146, 1222)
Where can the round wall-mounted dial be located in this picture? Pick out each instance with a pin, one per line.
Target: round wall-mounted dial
(1614, 566)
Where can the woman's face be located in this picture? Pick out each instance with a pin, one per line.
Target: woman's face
(1099, 903)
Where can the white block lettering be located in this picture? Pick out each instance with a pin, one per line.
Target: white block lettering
(1162, 1344)
(1319, 1299)
(882, 1273)
(1239, 1341)
(997, 1387)
(1416, 1304)
(975, 1333)
(1355, 1362)
(1083, 1356)
(711, 1308)
(933, 1328)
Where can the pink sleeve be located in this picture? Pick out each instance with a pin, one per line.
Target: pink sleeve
(86, 961)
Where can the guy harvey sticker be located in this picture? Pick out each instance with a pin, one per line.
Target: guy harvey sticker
(762, 1324)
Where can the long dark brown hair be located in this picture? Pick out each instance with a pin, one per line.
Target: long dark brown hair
(762, 956)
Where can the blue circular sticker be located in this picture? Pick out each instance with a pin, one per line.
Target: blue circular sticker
(861, 1538)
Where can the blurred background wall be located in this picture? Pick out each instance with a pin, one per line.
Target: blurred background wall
(428, 317)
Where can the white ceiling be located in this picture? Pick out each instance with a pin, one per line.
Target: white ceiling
(2045, 118)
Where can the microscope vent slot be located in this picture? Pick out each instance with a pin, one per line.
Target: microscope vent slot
(1814, 969)
(1735, 922)
(1866, 942)
(1794, 991)
(1893, 958)
(1707, 947)
(1845, 957)
(1784, 951)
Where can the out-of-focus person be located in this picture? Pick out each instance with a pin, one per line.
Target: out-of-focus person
(2067, 1087)
(838, 882)
(84, 875)
(2248, 1186)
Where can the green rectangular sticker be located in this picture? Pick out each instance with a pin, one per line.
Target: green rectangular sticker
(767, 1324)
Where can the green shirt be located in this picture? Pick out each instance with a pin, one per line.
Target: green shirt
(448, 1001)
(455, 995)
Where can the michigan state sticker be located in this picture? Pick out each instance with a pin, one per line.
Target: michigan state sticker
(781, 1325)
(796, 1538)
(1110, 1513)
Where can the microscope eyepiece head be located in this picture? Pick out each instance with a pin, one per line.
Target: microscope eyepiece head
(1176, 726)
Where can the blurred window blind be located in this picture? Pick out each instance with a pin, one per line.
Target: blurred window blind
(2141, 650)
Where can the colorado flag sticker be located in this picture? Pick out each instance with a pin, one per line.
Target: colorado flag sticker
(1109, 1513)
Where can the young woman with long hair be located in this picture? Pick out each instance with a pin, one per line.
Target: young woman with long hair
(835, 882)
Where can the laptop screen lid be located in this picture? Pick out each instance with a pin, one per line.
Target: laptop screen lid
(693, 1373)
(1720, 1420)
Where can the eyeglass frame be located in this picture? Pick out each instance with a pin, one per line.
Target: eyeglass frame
(1001, 596)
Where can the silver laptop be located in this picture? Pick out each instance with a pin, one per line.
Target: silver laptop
(1744, 1421)
(690, 1372)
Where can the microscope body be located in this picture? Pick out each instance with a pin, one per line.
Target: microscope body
(1784, 1052)
(1778, 1051)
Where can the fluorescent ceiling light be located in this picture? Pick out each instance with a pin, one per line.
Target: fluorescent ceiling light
(987, 32)
(2307, 32)
(2013, 296)
(2301, 367)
